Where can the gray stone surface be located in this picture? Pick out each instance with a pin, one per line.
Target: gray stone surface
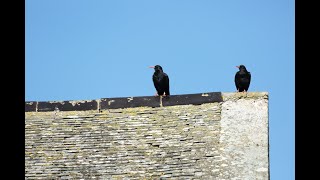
(244, 138)
(221, 140)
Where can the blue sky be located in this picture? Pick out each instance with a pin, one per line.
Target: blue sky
(82, 50)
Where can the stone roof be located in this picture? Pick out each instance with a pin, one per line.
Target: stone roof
(195, 136)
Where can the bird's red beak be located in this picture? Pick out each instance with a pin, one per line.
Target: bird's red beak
(238, 67)
(151, 67)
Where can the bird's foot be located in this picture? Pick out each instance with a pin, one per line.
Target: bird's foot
(245, 93)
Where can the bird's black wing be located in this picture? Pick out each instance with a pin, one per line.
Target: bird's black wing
(237, 80)
(249, 79)
(156, 83)
(166, 84)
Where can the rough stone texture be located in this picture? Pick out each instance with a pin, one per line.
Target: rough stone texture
(67, 105)
(220, 140)
(30, 106)
(244, 137)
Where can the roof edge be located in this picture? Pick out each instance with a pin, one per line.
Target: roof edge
(139, 101)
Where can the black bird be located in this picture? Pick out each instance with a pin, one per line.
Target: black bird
(160, 81)
(242, 79)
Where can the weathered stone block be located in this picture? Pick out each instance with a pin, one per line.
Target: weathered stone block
(130, 102)
(68, 105)
(194, 99)
(30, 106)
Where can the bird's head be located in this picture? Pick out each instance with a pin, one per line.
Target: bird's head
(241, 67)
(157, 68)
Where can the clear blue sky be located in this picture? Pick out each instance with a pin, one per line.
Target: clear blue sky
(82, 50)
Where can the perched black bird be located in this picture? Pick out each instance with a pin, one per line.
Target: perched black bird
(160, 81)
(242, 79)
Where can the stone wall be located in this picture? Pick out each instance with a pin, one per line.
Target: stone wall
(213, 140)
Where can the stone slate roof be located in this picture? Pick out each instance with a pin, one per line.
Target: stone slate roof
(135, 138)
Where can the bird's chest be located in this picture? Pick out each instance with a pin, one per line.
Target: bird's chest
(158, 78)
(243, 76)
